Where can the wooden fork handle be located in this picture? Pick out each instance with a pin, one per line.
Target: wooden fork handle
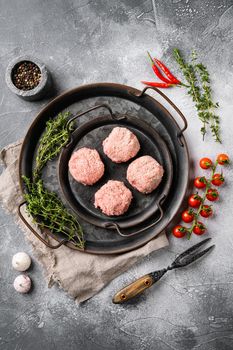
(133, 289)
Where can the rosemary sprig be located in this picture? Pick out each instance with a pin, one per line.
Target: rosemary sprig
(43, 205)
(198, 79)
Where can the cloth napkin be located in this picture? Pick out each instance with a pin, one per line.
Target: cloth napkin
(81, 275)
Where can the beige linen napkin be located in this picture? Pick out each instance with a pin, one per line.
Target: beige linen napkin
(80, 274)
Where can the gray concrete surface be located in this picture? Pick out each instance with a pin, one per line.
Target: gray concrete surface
(91, 41)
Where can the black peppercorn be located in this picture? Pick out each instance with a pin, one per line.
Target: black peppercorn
(26, 76)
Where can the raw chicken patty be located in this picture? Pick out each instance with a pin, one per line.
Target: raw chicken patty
(145, 174)
(86, 166)
(113, 198)
(121, 145)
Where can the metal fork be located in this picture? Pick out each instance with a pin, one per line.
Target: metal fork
(137, 287)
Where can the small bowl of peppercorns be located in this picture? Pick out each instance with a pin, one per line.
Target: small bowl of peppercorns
(28, 78)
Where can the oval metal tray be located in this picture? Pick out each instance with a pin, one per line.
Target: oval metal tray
(81, 198)
(124, 100)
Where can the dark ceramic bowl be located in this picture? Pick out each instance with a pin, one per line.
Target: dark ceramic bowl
(40, 90)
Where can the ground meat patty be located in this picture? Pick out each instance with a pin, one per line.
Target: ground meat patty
(86, 166)
(145, 174)
(113, 198)
(121, 145)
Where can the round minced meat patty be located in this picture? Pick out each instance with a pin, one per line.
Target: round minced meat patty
(86, 166)
(145, 174)
(121, 145)
(113, 198)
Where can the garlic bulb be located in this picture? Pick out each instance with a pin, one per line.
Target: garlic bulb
(21, 261)
(22, 284)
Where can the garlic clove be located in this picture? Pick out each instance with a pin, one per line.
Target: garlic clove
(21, 261)
(22, 284)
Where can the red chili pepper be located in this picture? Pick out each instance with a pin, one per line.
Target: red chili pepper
(159, 85)
(157, 71)
(166, 71)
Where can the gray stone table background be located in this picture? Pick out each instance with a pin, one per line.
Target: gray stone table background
(91, 41)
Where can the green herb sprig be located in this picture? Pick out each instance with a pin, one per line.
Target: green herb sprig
(198, 79)
(49, 212)
(43, 205)
(55, 137)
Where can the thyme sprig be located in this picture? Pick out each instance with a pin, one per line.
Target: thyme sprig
(45, 206)
(55, 137)
(198, 79)
(49, 212)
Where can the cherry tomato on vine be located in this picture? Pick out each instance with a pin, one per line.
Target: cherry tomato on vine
(206, 211)
(179, 231)
(223, 159)
(199, 228)
(187, 215)
(217, 180)
(195, 200)
(205, 163)
(200, 182)
(212, 195)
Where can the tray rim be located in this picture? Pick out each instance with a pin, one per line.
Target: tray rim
(81, 89)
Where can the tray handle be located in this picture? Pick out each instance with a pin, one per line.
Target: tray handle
(35, 232)
(103, 105)
(116, 226)
(180, 133)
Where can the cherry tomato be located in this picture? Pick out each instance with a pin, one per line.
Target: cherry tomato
(212, 195)
(188, 215)
(199, 228)
(195, 200)
(206, 211)
(205, 163)
(179, 231)
(217, 180)
(200, 182)
(223, 159)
